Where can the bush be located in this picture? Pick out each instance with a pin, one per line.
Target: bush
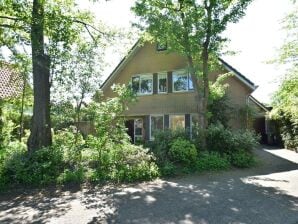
(71, 144)
(71, 176)
(39, 168)
(168, 169)
(224, 140)
(183, 151)
(242, 159)
(131, 163)
(162, 143)
(212, 161)
(125, 162)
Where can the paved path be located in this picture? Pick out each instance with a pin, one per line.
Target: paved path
(265, 194)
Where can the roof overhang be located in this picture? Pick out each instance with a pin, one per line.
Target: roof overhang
(122, 64)
(238, 75)
(250, 97)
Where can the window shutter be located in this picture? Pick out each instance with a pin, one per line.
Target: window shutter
(147, 127)
(155, 83)
(170, 85)
(187, 123)
(166, 121)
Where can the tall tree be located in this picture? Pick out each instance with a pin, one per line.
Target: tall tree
(49, 28)
(285, 100)
(41, 124)
(194, 29)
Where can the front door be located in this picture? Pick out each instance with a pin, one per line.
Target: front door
(129, 124)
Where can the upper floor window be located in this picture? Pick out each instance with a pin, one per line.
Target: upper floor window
(182, 81)
(142, 84)
(162, 82)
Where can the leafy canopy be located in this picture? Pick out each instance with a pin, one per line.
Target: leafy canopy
(186, 24)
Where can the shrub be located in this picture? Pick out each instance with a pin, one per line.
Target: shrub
(168, 169)
(125, 162)
(212, 161)
(224, 140)
(71, 144)
(39, 168)
(162, 143)
(71, 176)
(133, 163)
(242, 159)
(183, 151)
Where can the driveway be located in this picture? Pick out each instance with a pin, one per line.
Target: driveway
(267, 193)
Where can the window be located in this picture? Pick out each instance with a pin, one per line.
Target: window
(138, 130)
(156, 124)
(142, 84)
(177, 122)
(161, 46)
(182, 81)
(162, 83)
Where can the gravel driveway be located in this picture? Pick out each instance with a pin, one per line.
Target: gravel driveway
(267, 193)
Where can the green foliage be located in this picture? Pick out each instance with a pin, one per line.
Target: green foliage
(168, 168)
(183, 151)
(285, 100)
(219, 105)
(71, 176)
(62, 115)
(224, 140)
(72, 144)
(40, 168)
(185, 25)
(242, 159)
(212, 161)
(285, 110)
(162, 143)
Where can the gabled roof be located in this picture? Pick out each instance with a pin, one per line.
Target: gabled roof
(137, 46)
(267, 109)
(241, 77)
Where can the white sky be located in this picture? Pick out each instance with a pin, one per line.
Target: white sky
(255, 37)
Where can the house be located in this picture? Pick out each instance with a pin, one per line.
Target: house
(166, 98)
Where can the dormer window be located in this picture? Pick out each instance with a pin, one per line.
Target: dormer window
(142, 84)
(161, 46)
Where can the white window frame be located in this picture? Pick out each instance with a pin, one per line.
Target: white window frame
(150, 129)
(170, 119)
(140, 80)
(184, 73)
(162, 74)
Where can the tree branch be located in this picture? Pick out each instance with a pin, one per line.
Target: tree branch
(13, 26)
(10, 17)
(89, 25)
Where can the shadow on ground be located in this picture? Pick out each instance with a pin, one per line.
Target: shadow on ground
(225, 197)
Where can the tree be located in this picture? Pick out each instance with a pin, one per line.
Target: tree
(193, 29)
(81, 77)
(285, 100)
(48, 28)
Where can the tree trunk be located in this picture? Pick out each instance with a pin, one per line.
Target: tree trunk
(40, 135)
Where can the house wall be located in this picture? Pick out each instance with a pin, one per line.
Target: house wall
(148, 60)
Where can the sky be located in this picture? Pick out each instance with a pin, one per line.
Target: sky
(255, 38)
